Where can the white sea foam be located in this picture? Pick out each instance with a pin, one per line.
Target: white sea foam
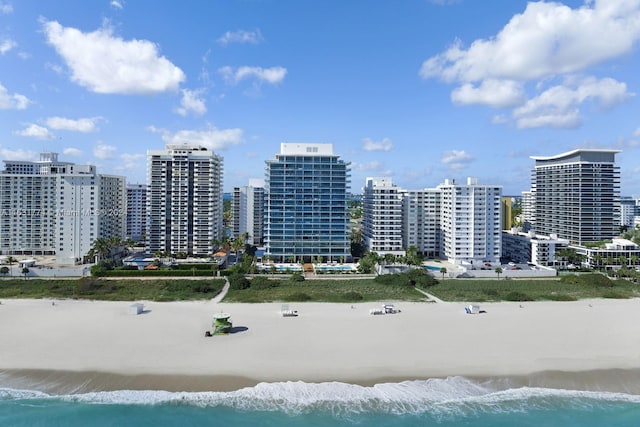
(451, 396)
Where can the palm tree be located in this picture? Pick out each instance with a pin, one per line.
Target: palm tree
(25, 271)
(443, 271)
(4, 270)
(498, 271)
(11, 260)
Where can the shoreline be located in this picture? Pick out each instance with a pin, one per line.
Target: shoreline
(58, 383)
(75, 346)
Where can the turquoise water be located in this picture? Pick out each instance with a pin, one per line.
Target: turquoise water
(454, 401)
(431, 267)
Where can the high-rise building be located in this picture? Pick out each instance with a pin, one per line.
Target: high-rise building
(382, 217)
(58, 208)
(248, 212)
(576, 195)
(306, 204)
(184, 200)
(136, 212)
(471, 223)
(421, 221)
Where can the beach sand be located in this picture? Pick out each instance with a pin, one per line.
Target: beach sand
(79, 346)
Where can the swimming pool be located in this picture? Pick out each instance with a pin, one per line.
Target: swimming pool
(431, 267)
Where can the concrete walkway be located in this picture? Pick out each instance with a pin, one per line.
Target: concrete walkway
(431, 297)
(222, 293)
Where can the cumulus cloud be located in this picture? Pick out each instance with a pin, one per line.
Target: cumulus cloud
(548, 40)
(495, 93)
(383, 145)
(84, 125)
(456, 159)
(23, 155)
(73, 152)
(132, 161)
(117, 4)
(545, 40)
(558, 105)
(6, 45)
(212, 137)
(241, 36)
(193, 102)
(271, 75)
(5, 8)
(104, 151)
(14, 101)
(104, 63)
(35, 131)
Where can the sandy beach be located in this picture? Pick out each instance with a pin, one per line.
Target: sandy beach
(75, 346)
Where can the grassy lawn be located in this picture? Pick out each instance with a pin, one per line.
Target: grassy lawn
(112, 290)
(351, 291)
(532, 290)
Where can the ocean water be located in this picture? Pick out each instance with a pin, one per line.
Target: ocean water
(454, 401)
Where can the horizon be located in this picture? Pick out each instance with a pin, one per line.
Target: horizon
(419, 91)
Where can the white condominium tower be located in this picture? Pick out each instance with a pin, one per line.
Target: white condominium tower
(471, 222)
(58, 208)
(136, 212)
(248, 212)
(421, 221)
(306, 204)
(184, 199)
(382, 217)
(576, 195)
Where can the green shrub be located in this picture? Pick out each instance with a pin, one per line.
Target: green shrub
(298, 297)
(239, 282)
(613, 295)
(517, 296)
(353, 296)
(297, 277)
(262, 282)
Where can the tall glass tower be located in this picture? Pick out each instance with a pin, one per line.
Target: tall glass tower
(576, 195)
(306, 204)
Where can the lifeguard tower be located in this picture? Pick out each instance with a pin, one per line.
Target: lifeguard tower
(222, 323)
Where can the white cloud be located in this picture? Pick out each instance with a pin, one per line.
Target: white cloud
(494, 93)
(372, 166)
(104, 63)
(104, 151)
(212, 138)
(271, 75)
(6, 45)
(132, 161)
(241, 36)
(84, 125)
(73, 152)
(370, 145)
(456, 159)
(117, 4)
(5, 8)
(14, 101)
(558, 105)
(191, 102)
(545, 40)
(35, 131)
(24, 155)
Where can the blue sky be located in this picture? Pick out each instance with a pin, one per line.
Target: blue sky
(419, 90)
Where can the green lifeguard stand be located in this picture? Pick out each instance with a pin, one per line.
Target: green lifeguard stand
(222, 323)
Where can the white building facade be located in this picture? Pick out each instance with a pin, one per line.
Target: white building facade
(382, 217)
(421, 221)
(136, 212)
(58, 208)
(184, 200)
(248, 213)
(471, 222)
